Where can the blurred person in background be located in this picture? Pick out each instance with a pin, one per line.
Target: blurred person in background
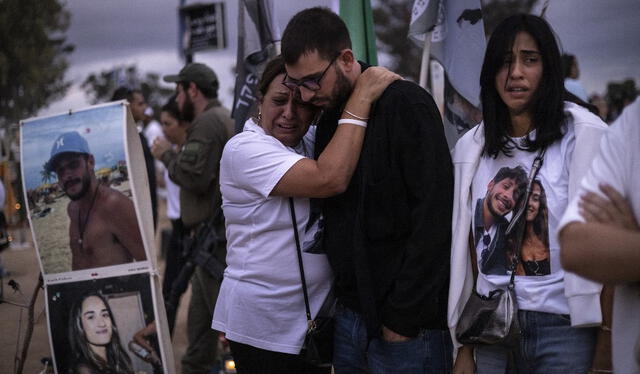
(195, 168)
(152, 129)
(601, 104)
(137, 106)
(175, 131)
(571, 73)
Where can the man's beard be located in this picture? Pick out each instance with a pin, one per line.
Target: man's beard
(341, 91)
(187, 111)
(86, 183)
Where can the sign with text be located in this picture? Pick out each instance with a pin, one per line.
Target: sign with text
(204, 27)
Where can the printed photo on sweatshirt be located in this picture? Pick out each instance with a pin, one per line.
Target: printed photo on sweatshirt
(495, 247)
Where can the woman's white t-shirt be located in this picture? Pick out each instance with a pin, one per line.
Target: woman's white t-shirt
(543, 292)
(261, 300)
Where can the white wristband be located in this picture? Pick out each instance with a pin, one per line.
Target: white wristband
(356, 122)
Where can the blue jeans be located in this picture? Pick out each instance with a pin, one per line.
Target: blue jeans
(549, 345)
(429, 352)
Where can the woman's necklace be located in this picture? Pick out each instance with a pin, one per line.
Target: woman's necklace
(83, 225)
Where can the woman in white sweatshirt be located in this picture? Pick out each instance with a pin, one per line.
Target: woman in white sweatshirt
(524, 111)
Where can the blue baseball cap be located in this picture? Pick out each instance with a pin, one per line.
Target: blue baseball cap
(69, 142)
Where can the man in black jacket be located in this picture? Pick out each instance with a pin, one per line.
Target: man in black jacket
(388, 236)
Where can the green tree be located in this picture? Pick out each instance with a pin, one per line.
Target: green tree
(391, 20)
(392, 17)
(100, 86)
(46, 174)
(33, 56)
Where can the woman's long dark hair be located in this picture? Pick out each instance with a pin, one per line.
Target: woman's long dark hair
(118, 360)
(541, 221)
(547, 102)
(171, 107)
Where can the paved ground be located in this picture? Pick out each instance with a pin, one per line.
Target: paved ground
(23, 265)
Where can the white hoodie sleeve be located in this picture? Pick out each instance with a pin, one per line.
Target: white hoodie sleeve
(582, 294)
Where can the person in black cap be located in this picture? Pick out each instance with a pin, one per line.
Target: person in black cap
(103, 229)
(195, 168)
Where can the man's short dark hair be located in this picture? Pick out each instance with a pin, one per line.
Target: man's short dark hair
(314, 29)
(517, 174)
(127, 93)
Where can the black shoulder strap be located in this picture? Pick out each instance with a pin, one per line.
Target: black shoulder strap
(299, 250)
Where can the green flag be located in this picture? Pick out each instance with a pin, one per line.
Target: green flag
(358, 16)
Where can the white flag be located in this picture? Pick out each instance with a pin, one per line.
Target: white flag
(458, 44)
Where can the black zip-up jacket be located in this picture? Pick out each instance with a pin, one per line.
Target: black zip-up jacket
(388, 235)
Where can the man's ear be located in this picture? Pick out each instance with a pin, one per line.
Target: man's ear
(347, 60)
(192, 90)
(91, 161)
(490, 185)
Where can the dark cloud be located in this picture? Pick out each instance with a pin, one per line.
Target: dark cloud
(604, 36)
(104, 30)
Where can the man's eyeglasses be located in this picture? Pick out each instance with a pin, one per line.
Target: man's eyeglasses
(312, 84)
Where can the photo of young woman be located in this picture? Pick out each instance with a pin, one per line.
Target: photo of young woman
(94, 338)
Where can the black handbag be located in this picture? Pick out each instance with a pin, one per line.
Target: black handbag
(318, 342)
(493, 319)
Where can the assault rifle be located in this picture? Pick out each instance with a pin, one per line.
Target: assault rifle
(200, 250)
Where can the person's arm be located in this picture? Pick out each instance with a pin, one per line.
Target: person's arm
(606, 247)
(582, 252)
(421, 154)
(464, 363)
(598, 246)
(331, 173)
(140, 338)
(125, 225)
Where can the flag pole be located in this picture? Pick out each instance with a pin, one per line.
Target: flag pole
(424, 67)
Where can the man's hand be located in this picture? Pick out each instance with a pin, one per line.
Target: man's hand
(140, 337)
(393, 337)
(159, 147)
(614, 211)
(372, 83)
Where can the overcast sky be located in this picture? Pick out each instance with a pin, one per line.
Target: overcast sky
(604, 35)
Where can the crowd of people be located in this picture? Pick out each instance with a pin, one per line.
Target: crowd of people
(413, 226)
(349, 163)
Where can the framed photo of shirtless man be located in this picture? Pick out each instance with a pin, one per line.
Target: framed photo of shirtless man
(83, 205)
